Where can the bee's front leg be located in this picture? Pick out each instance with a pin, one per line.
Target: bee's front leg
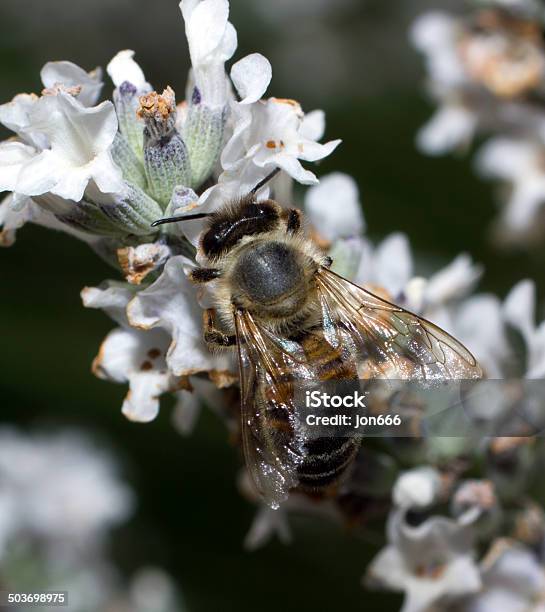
(214, 336)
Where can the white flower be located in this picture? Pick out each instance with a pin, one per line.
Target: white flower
(61, 488)
(132, 356)
(521, 164)
(80, 140)
(334, 208)
(69, 75)
(17, 114)
(153, 590)
(389, 265)
(519, 312)
(435, 35)
(417, 488)
(479, 324)
(451, 127)
(171, 304)
(14, 213)
(267, 524)
(513, 579)
(212, 40)
(430, 562)
(272, 133)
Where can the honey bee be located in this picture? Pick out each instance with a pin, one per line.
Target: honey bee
(292, 319)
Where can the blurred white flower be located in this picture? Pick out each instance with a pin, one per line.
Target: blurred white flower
(435, 35)
(513, 580)
(519, 311)
(480, 325)
(520, 164)
(268, 524)
(333, 207)
(431, 563)
(417, 488)
(451, 127)
(484, 69)
(153, 590)
(61, 488)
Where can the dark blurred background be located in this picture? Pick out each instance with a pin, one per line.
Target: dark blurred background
(351, 58)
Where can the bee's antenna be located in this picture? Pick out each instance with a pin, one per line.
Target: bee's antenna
(179, 218)
(262, 183)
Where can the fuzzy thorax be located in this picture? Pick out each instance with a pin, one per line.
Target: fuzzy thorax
(270, 275)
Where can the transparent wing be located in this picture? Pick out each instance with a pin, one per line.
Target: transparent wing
(272, 448)
(392, 342)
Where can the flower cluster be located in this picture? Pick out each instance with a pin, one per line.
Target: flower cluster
(486, 72)
(106, 172)
(61, 496)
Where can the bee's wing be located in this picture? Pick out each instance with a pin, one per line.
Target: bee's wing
(392, 342)
(272, 448)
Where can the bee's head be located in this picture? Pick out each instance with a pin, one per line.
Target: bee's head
(231, 224)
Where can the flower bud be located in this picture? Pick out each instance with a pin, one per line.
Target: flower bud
(126, 100)
(131, 165)
(166, 158)
(203, 135)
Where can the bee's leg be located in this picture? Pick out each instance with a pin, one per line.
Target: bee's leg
(204, 275)
(214, 336)
(293, 220)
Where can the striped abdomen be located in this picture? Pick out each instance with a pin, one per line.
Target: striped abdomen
(326, 459)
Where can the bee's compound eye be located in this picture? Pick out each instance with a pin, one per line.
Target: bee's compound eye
(268, 272)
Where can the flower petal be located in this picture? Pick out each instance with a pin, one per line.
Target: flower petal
(417, 488)
(206, 28)
(507, 158)
(123, 68)
(40, 174)
(251, 76)
(13, 156)
(17, 117)
(519, 309)
(71, 75)
(11, 220)
(171, 303)
(393, 264)
(450, 128)
(112, 297)
(292, 166)
(313, 125)
(453, 282)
